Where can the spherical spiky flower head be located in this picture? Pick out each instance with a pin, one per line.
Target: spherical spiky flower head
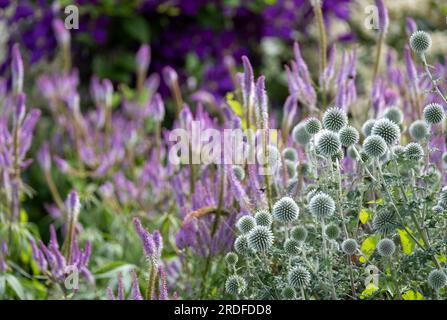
(239, 172)
(231, 258)
(414, 151)
(235, 284)
(374, 146)
(338, 156)
(434, 113)
(245, 224)
(386, 247)
(418, 130)
(365, 158)
(303, 168)
(349, 246)
(273, 159)
(349, 136)
(312, 125)
(288, 293)
(241, 245)
(321, 205)
(384, 221)
(437, 209)
(394, 114)
(299, 233)
(260, 238)
(285, 210)
(291, 247)
(437, 279)
(332, 231)
(290, 154)
(299, 277)
(367, 127)
(328, 143)
(398, 150)
(334, 119)
(420, 41)
(263, 218)
(300, 135)
(387, 129)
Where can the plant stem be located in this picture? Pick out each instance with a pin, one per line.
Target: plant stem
(327, 258)
(433, 81)
(323, 43)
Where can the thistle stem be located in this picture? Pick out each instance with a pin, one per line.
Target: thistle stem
(433, 81)
(323, 44)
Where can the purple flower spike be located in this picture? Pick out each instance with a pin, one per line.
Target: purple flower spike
(17, 69)
(261, 103)
(248, 82)
(383, 15)
(44, 157)
(410, 26)
(136, 293)
(158, 108)
(19, 112)
(169, 75)
(146, 239)
(61, 33)
(143, 58)
(73, 204)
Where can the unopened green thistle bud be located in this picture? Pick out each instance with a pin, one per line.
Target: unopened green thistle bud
(239, 172)
(334, 119)
(349, 246)
(321, 205)
(338, 156)
(312, 126)
(418, 130)
(394, 114)
(332, 232)
(349, 136)
(235, 284)
(386, 247)
(299, 277)
(388, 130)
(245, 224)
(384, 221)
(285, 210)
(260, 239)
(291, 247)
(263, 218)
(434, 113)
(437, 279)
(328, 143)
(231, 258)
(299, 233)
(374, 146)
(300, 135)
(414, 151)
(290, 154)
(288, 293)
(367, 127)
(420, 41)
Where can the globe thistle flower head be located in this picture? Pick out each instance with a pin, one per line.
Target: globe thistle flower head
(312, 126)
(299, 277)
(374, 146)
(235, 284)
(398, 150)
(303, 168)
(334, 119)
(300, 135)
(245, 224)
(433, 113)
(285, 210)
(338, 156)
(299, 233)
(260, 239)
(349, 246)
(273, 161)
(328, 143)
(420, 41)
(291, 247)
(367, 127)
(418, 130)
(365, 158)
(288, 293)
(437, 279)
(332, 232)
(414, 151)
(438, 209)
(290, 154)
(241, 245)
(384, 221)
(263, 218)
(387, 129)
(349, 136)
(394, 114)
(239, 172)
(321, 205)
(231, 259)
(386, 247)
